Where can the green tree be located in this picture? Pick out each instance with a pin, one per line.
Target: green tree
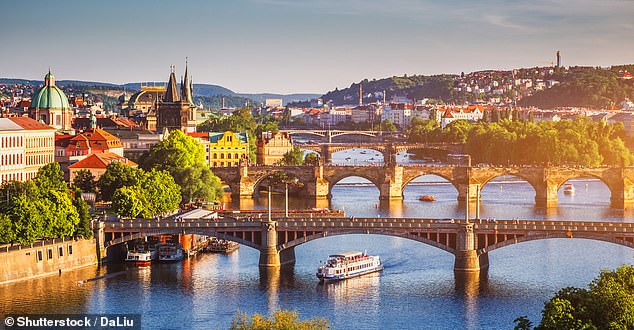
(26, 219)
(279, 320)
(311, 158)
(129, 201)
(83, 211)
(293, 157)
(161, 192)
(522, 323)
(7, 234)
(51, 177)
(199, 182)
(117, 175)
(388, 126)
(85, 181)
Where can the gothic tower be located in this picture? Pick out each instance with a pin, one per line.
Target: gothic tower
(177, 109)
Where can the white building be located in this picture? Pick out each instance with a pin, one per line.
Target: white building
(26, 145)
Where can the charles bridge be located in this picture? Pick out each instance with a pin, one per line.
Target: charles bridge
(469, 241)
(389, 151)
(391, 179)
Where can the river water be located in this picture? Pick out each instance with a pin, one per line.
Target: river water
(417, 289)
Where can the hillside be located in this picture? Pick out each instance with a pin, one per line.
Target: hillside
(544, 87)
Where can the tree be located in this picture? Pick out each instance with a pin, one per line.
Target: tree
(51, 177)
(128, 201)
(279, 320)
(161, 192)
(311, 158)
(388, 126)
(7, 234)
(523, 323)
(293, 157)
(85, 181)
(608, 303)
(117, 175)
(83, 227)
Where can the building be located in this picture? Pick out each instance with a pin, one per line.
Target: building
(97, 164)
(228, 148)
(271, 147)
(50, 106)
(177, 109)
(25, 146)
(273, 103)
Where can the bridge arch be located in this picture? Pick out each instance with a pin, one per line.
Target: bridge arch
(583, 175)
(518, 175)
(333, 180)
(306, 239)
(183, 231)
(408, 180)
(542, 236)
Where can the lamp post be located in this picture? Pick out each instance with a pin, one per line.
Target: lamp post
(286, 199)
(269, 204)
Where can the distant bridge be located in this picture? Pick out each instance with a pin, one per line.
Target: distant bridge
(388, 150)
(469, 242)
(326, 135)
(391, 179)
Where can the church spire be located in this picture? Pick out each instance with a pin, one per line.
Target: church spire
(186, 86)
(171, 92)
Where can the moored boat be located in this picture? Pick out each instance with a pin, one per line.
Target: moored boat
(427, 198)
(569, 189)
(347, 265)
(142, 254)
(221, 246)
(170, 252)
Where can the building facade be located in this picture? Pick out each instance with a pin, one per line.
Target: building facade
(271, 147)
(228, 148)
(26, 146)
(97, 164)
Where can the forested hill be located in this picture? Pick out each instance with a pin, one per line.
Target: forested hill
(413, 87)
(586, 87)
(571, 87)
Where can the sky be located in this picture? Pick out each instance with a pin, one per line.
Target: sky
(302, 46)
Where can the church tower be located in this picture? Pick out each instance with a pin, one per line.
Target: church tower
(177, 109)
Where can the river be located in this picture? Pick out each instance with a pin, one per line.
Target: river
(417, 289)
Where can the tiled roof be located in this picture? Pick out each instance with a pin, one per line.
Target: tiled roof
(22, 123)
(101, 160)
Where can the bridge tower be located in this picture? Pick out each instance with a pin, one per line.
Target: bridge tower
(392, 186)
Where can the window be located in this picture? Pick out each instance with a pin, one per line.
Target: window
(50, 253)
(39, 255)
(61, 251)
(70, 249)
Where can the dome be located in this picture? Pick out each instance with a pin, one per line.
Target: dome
(49, 96)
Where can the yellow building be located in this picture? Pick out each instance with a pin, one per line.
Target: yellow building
(26, 145)
(227, 149)
(271, 147)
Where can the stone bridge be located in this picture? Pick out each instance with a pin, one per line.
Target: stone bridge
(391, 179)
(276, 239)
(388, 150)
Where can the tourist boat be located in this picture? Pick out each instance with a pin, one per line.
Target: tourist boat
(170, 252)
(427, 198)
(142, 254)
(569, 189)
(221, 246)
(347, 265)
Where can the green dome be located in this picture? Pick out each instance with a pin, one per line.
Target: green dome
(49, 96)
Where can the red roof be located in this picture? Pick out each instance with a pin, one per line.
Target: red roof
(30, 124)
(102, 160)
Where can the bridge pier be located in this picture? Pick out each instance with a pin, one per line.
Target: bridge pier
(269, 255)
(392, 186)
(100, 239)
(472, 189)
(467, 259)
(622, 194)
(546, 195)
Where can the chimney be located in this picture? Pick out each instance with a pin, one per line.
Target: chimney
(360, 94)
(558, 59)
(223, 102)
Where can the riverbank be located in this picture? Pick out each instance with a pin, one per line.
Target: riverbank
(45, 258)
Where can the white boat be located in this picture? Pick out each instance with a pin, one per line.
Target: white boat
(170, 252)
(348, 264)
(569, 189)
(142, 254)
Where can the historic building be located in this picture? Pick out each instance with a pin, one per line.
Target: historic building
(50, 105)
(25, 146)
(177, 109)
(271, 147)
(227, 149)
(97, 163)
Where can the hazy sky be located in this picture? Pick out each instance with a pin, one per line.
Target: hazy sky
(292, 46)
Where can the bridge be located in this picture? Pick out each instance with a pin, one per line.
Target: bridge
(469, 242)
(389, 150)
(326, 135)
(391, 179)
